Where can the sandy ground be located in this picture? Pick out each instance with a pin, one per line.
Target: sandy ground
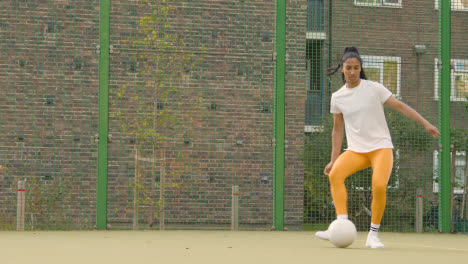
(220, 247)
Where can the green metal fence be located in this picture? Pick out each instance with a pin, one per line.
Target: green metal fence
(173, 114)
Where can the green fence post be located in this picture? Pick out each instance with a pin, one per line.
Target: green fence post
(444, 116)
(101, 199)
(279, 129)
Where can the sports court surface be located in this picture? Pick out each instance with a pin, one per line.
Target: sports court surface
(133, 247)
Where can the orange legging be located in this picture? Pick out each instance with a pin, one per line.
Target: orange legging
(349, 162)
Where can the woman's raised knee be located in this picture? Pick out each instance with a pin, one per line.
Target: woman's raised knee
(336, 178)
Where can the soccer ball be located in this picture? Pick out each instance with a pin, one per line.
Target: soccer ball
(342, 233)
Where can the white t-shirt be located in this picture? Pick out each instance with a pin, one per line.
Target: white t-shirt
(363, 113)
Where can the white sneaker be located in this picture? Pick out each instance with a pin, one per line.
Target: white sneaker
(322, 235)
(373, 241)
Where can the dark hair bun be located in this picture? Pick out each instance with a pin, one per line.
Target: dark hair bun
(351, 49)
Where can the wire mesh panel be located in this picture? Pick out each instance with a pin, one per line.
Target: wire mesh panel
(296, 100)
(191, 114)
(397, 41)
(459, 122)
(192, 105)
(48, 114)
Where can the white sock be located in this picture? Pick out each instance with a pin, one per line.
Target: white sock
(373, 240)
(374, 229)
(345, 216)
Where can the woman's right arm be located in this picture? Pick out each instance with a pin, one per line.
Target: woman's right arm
(337, 141)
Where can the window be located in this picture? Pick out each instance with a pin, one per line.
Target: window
(385, 70)
(379, 3)
(315, 16)
(315, 45)
(459, 80)
(314, 81)
(394, 181)
(457, 5)
(458, 183)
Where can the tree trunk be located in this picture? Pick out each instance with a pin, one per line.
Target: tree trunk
(161, 191)
(135, 193)
(151, 205)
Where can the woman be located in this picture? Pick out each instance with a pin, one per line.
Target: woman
(358, 107)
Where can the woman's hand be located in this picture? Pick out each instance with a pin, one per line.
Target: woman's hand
(328, 168)
(432, 130)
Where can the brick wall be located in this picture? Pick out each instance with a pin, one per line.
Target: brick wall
(49, 108)
(49, 83)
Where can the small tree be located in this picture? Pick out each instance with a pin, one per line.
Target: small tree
(318, 203)
(163, 105)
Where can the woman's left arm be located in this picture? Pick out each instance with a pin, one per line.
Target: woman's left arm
(412, 114)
